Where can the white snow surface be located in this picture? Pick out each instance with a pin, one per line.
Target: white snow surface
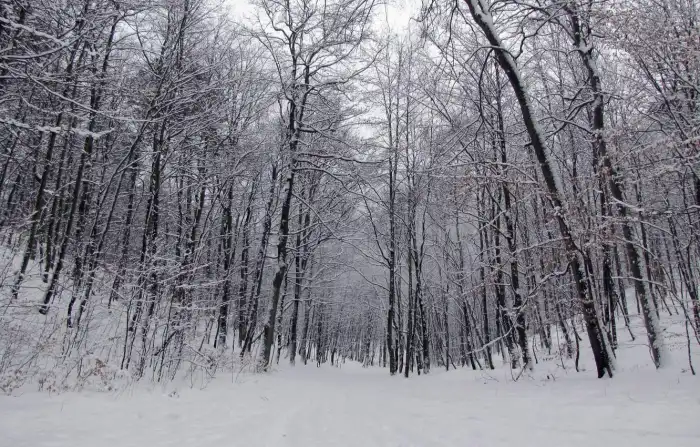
(350, 406)
(355, 406)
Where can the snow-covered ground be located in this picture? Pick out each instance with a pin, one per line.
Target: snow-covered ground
(348, 406)
(352, 406)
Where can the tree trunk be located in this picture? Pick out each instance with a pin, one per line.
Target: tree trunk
(596, 336)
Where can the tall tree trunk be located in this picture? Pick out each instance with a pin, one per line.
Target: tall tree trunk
(508, 217)
(585, 50)
(254, 299)
(39, 200)
(601, 353)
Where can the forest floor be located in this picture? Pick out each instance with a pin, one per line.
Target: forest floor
(355, 406)
(307, 406)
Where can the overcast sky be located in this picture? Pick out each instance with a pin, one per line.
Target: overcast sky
(397, 13)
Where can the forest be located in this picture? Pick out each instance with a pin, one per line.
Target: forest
(186, 190)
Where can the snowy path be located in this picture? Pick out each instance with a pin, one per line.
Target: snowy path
(358, 407)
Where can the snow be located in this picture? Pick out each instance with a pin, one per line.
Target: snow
(353, 406)
(81, 132)
(18, 26)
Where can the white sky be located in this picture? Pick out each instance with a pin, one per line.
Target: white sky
(396, 14)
